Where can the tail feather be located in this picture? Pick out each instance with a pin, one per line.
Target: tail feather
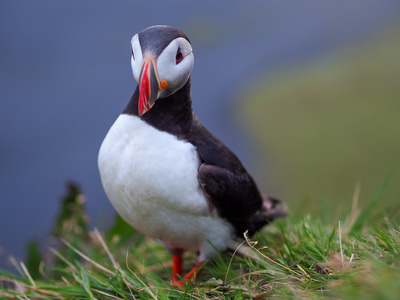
(270, 210)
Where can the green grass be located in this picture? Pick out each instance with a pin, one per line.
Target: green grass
(300, 258)
(330, 124)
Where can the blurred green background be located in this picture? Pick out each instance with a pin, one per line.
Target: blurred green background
(330, 124)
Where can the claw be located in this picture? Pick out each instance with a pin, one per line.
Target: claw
(177, 283)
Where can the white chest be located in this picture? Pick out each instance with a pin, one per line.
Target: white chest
(151, 179)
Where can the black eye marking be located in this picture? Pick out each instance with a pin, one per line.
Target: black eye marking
(179, 56)
(133, 55)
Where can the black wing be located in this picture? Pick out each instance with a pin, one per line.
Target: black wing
(230, 188)
(235, 197)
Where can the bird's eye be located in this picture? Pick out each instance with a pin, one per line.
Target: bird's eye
(179, 56)
(133, 55)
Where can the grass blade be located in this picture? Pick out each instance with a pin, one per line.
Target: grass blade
(358, 224)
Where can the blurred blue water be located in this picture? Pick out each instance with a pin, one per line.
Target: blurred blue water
(65, 76)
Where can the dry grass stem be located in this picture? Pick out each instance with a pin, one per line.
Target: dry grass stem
(87, 258)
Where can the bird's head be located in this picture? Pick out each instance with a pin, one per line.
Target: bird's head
(162, 61)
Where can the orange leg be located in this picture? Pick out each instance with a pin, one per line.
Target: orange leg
(177, 271)
(176, 267)
(177, 260)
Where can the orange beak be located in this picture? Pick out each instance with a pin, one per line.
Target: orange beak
(149, 85)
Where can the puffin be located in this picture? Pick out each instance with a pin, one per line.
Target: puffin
(165, 174)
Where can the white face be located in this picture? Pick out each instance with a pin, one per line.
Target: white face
(136, 57)
(174, 64)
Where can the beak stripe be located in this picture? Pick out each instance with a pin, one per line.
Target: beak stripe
(144, 90)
